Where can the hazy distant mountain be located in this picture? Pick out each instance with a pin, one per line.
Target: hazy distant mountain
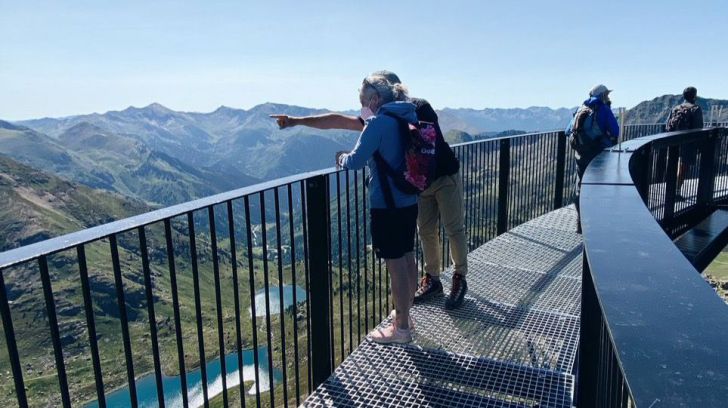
(42, 152)
(99, 158)
(246, 142)
(156, 153)
(250, 140)
(161, 129)
(658, 109)
(497, 120)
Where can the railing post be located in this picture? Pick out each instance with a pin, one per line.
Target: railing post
(560, 170)
(13, 354)
(640, 167)
(589, 341)
(503, 177)
(673, 152)
(706, 177)
(318, 263)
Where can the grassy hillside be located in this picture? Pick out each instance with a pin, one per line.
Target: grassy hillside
(35, 205)
(717, 274)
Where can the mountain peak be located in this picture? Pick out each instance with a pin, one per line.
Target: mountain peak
(157, 108)
(153, 107)
(227, 110)
(84, 127)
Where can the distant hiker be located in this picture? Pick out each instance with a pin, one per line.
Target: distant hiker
(685, 116)
(592, 129)
(444, 198)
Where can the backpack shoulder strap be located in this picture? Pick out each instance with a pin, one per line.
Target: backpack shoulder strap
(595, 121)
(382, 170)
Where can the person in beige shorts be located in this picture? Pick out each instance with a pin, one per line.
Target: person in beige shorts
(443, 200)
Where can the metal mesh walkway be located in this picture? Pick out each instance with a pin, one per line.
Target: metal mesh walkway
(512, 344)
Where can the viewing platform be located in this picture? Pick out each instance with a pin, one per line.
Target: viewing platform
(280, 279)
(513, 343)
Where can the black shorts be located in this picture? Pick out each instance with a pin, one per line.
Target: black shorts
(393, 231)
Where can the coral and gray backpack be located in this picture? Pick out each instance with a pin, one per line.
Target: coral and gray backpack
(681, 117)
(585, 134)
(418, 169)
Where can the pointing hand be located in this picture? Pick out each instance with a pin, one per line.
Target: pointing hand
(284, 121)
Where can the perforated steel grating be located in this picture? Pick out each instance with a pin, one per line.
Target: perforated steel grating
(407, 376)
(513, 342)
(560, 220)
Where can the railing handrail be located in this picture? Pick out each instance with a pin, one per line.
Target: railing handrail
(64, 242)
(60, 243)
(666, 324)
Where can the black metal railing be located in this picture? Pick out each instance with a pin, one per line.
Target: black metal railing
(635, 131)
(163, 295)
(653, 331)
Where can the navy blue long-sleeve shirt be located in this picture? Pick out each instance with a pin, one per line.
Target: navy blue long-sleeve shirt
(381, 133)
(605, 120)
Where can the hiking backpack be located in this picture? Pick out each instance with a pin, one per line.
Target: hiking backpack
(680, 118)
(585, 134)
(418, 170)
(447, 162)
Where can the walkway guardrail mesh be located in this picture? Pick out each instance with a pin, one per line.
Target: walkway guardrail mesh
(249, 297)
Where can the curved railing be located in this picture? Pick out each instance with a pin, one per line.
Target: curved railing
(161, 294)
(653, 331)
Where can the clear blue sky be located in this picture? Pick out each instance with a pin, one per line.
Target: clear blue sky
(71, 57)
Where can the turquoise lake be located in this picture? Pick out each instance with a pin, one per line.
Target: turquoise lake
(146, 385)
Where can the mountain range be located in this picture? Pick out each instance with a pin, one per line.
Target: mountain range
(220, 150)
(476, 121)
(657, 110)
(65, 174)
(121, 163)
(162, 156)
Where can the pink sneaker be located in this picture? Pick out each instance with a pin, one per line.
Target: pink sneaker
(393, 315)
(391, 335)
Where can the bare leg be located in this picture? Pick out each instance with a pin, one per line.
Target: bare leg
(401, 289)
(412, 274)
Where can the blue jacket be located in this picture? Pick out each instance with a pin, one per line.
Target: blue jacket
(381, 132)
(605, 120)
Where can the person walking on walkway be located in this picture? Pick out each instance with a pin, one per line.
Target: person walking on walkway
(443, 199)
(687, 115)
(592, 129)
